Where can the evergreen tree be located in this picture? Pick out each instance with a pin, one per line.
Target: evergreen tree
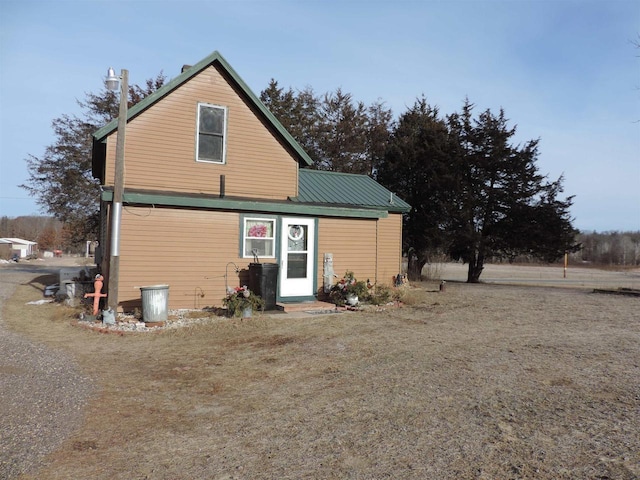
(298, 114)
(342, 137)
(417, 167)
(474, 195)
(338, 134)
(379, 125)
(502, 206)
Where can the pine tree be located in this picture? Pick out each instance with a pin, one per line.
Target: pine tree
(416, 167)
(474, 194)
(503, 206)
(338, 133)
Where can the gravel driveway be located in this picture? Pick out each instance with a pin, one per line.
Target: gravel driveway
(42, 392)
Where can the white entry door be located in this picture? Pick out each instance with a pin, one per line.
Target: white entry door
(297, 255)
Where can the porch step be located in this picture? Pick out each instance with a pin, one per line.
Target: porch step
(305, 306)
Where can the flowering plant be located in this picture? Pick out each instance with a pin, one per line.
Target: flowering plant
(241, 298)
(347, 286)
(259, 230)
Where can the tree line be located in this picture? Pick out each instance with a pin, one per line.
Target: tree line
(608, 248)
(48, 232)
(475, 193)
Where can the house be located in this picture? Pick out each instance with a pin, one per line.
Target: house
(214, 183)
(23, 248)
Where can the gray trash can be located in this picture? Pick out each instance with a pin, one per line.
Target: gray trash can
(155, 303)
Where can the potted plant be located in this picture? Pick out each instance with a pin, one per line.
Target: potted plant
(242, 302)
(348, 290)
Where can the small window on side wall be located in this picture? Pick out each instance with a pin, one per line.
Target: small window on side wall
(211, 142)
(259, 237)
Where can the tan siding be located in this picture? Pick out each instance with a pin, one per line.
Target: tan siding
(185, 249)
(371, 249)
(353, 244)
(190, 249)
(161, 143)
(389, 248)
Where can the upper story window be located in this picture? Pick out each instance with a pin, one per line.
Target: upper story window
(212, 127)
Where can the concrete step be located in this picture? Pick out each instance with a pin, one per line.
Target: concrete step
(305, 306)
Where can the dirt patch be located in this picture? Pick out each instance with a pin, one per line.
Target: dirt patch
(478, 382)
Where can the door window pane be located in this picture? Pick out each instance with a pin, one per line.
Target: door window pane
(297, 238)
(297, 265)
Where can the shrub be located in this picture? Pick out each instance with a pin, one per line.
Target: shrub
(346, 286)
(240, 299)
(379, 295)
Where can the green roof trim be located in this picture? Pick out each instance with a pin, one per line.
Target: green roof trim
(171, 199)
(346, 189)
(189, 73)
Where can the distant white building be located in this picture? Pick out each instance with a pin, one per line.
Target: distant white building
(24, 248)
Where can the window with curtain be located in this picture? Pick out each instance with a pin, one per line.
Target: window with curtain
(259, 237)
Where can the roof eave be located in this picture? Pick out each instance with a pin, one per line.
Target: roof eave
(389, 208)
(210, 202)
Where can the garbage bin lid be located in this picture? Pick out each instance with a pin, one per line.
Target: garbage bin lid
(154, 287)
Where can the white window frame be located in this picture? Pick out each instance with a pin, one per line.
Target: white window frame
(245, 235)
(202, 105)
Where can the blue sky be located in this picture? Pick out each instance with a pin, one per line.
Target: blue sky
(566, 72)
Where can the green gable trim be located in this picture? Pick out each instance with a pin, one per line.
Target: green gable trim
(319, 186)
(215, 57)
(217, 203)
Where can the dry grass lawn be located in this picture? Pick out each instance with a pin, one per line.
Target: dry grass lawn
(478, 382)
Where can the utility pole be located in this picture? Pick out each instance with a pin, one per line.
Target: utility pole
(118, 189)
